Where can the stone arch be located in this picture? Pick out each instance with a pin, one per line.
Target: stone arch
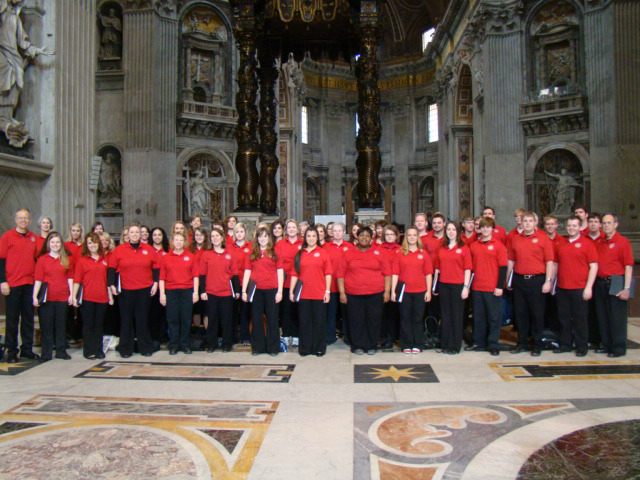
(222, 157)
(427, 195)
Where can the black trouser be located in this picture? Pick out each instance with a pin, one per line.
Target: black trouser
(612, 317)
(332, 316)
(134, 316)
(411, 323)
(158, 325)
(265, 337)
(313, 319)
(53, 316)
(73, 323)
(593, 327)
(551, 320)
(241, 318)
(112, 318)
(487, 319)
(452, 310)
(220, 313)
(528, 304)
(288, 315)
(433, 308)
(19, 306)
(179, 308)
(365, 317)
(390, 324)
(92, 326)
(572, 315)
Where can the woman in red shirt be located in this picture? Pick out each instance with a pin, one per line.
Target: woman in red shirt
(412, 266)
(312, 267)
(158, 326)
(91, 275)
(240, 250)
(112, 317)
(138, 267)
(145, 234)
(55, 269)
(199, 242)
(286, 251)
(179, 279)
(230, 223)
(277, 230)
(453, 268)
(364, 281)
(265, 268)
(216, 271)
(74, 240)
(322, 234)
(390, 315)
(336, 248)
(45, 224)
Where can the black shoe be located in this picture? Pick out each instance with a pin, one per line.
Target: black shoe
(210, 349)
(125, 355)
(474, 348)
(173, 351)
(581, 353)
(452, 351)
(90, 357)
(146, 354)
(615, 355)
(535, 352)
(101, 356)
(519, 349)
(561, 350)
(186, 351)
(601, 350)
(12, 358)
(494, 352)
(319, 354)
(44, 359)
(63, 356)
(29, 355)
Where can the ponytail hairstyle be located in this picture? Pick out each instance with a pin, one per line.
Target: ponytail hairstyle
(296, 259)
(255, 247)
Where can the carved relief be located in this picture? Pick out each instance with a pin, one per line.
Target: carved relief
(165, 8)
(203, 189)
(558, 184)
(465, 153)
(441, 82)
(110, 179)
(110, 28)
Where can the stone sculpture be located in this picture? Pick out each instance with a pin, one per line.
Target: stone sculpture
(110, 183)
(111, 39)
(564, 192)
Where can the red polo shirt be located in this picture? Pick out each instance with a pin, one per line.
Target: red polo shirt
(364, 271)
(179, 269)
(74, 248)
(573, 259)
(92, 275)
(135, 266)
(314, 266)
(531, 253)
(219, 268)
(40, 242)
(469, 240)
(335, 252)
(613, 255)
(286, 251)
(556, 242)
(412, 269)
(432, 244)
(240, 255)
(452, 262)
(264, 270)
(499, 234)
(51, 271)
(601, 236)
(487, 258)
(19, 253)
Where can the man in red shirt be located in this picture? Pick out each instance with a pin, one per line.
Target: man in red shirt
(576, 265)
(17, 269)
(517, 215)
(420, 222)
(594, 229)
(550, 223)
(581, 213)
(531, 261)
(614, 258)
(431, 243)
(499, 233)
(469, 231)
(336, 249)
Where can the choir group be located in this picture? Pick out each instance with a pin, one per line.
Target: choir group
(295, 285)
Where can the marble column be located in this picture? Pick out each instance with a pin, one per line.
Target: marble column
(150, 53)
(323, 195)
(402, 150)
(334, 113)
(415, 181)
(268, 74)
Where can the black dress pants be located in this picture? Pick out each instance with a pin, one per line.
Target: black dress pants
(179, 310)
(53, 317)
(313, 319)
(487, 319)
(288, 315)
(19, 312)
(411, 322)
(242, 319)
(612, 318)
(390, 324)
(265, 337)
(134, 317)
(528, 304)
(92, 326)
(452, 310)
(573, 312)
(158, 326)
(365, 317)
(220, 313)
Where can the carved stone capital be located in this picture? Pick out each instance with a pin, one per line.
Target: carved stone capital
(164, 8)
(441, 82)
(500, 17)
(334, 109)
(400, 107)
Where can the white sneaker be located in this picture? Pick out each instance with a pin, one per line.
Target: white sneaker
(294, 341)
(415, 351)
(406, 351)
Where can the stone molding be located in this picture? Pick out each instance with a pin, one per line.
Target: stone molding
(164, 8)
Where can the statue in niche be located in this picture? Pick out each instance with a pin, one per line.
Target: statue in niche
(564, 192)
(111, 38)
(15, 50)
(199, 194)
(110, 182)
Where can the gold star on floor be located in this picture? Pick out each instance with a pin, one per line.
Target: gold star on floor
(4, 367)
(393, 372)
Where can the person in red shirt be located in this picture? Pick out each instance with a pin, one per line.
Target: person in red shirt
(17, 266)
(137, 265)
(45, 224)
(576, 266)
(390, 314)
(336, 248)
(420, 222)
(517, 215)
(97, 227)
(277, 230)
(489, 257)
(379, 232)
(217, 269)
(614, 258)
(354, 233)
(197, 244)
(453, 269)
(112, 317)
(74, 240)
(286, 250)
(550, 223)
(240, 249)
(158, 326)
(412, 267)
(581, 212)
(230, 223)
(312, 267)
(531, 259)
(265, 268)
(179, 279)
(499, 233)
(54, 272)
(91, 275)
(322, 234)
(364, 281)
(594, 229)
(74, 247)
(431, 244)
(469, 231)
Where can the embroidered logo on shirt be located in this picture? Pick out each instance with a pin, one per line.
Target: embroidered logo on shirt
(376, 252)
(246, 250)
(420, 256)
(227, 256)
(299, 247)
(458, 250)
(490, 247)
(103, 262)
(612, 245)
(144, 252)
(535, 240)
(33, 239)
(345, 248)
(578, 245)
(185, 258)
(317, 254)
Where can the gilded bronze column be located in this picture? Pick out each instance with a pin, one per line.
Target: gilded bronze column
(248, 147)
(269, 164)
(367, 142)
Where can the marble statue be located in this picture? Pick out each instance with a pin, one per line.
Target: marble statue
(564, 193)
(15, 50)
(198, 194)
(109, 183)
(111, 39)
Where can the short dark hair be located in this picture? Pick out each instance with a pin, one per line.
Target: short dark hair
(595, 215)
(438, 215)
(573, 217)
(486, 207)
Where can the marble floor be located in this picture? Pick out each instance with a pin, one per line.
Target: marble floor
(387, 416)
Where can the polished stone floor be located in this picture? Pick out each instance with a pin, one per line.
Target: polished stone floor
(387, 416)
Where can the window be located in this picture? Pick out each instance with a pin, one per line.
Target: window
(432, 121)
(304, 128)
(357, 124)
(427, 37)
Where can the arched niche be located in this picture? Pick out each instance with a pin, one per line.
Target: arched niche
(110, 35)
(313, 199)
(109, 191)
(426, 195)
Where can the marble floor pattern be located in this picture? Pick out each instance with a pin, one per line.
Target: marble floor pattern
(468, 416)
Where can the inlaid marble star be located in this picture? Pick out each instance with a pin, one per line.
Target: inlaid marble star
(394, 373)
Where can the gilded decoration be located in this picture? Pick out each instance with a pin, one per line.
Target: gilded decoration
(204, 20)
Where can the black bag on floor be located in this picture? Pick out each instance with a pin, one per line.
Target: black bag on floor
(198, 339)
(431, 333)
